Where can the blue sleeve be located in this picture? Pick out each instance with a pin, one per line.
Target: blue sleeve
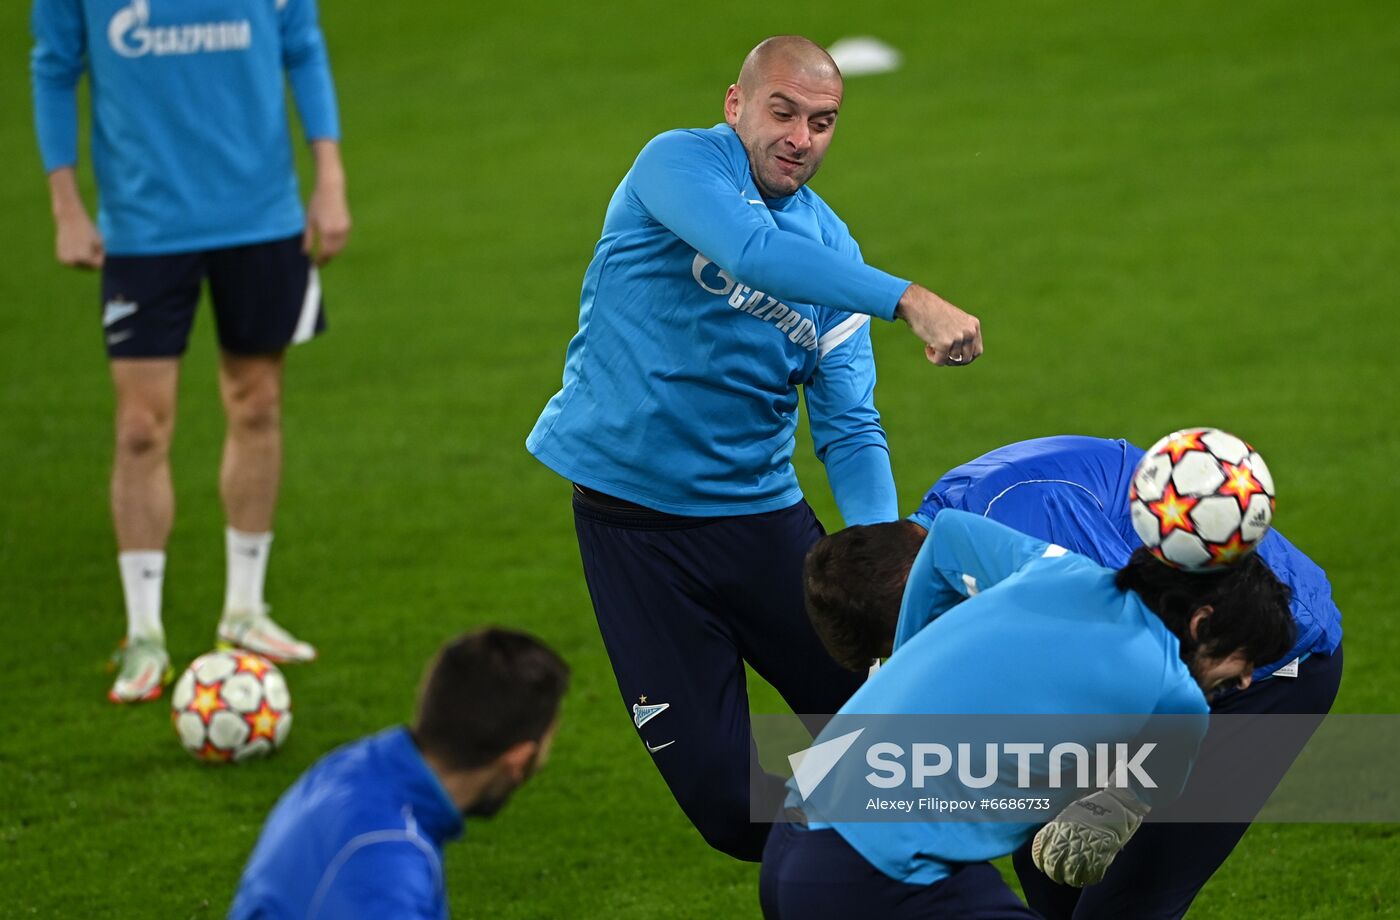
(930, 507)
(962, 555)
(686, 183)
(56, 64)
(846, 428)
(309, 70)
(387, 879)
(1317, 620)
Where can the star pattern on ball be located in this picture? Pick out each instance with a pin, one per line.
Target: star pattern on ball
(213, 754)
(262, 722)
(1229, 552)
(252, 664)
(1181, 443)
(1173, 511)
(206, 701)
(1240, 482)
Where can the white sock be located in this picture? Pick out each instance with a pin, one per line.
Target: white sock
(247, 569)
(143, 574)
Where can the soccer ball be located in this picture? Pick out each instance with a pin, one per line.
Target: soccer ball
(231, 706)
(1201, 499)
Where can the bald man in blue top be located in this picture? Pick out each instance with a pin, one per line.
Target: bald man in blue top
(721, 290)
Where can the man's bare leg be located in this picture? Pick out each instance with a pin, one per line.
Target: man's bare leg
(249, 478)
(143, 510)
(251, 473)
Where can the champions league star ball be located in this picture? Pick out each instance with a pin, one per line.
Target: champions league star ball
(231, 706)
(1201, 499)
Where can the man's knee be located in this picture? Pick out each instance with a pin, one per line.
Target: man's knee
(252, 392)
(254, 406)
(143, 432)
(721, 811)
(256, 415)
(732, 833)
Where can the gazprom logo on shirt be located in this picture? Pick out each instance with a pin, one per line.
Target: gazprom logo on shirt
(800, 330)
(131, 36)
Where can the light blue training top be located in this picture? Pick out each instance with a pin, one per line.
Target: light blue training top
(996, 622)
(190, 141)
(704, 309)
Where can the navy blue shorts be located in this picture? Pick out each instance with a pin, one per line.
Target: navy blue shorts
(812, 875)
(266, 296)
(682, 603)
(1165, 865)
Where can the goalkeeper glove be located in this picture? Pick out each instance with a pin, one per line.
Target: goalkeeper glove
(1077, 847)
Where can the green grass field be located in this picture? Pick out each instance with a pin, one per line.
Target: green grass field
(1164, 214)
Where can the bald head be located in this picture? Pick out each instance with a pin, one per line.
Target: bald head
(791, 55)
(784, 107)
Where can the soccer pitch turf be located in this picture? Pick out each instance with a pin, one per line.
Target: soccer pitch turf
(1164, 215)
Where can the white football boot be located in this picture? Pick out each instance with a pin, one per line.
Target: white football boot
(144, 671)
(257, 632)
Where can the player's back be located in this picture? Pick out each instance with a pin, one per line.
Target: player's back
(361, 830)
(1055, 637)
(1101, 467)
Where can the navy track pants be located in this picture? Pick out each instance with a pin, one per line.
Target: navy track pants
(1165, 865)
(682, 603)
(816, 874)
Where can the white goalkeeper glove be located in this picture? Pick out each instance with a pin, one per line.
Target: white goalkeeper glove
(1077, 847)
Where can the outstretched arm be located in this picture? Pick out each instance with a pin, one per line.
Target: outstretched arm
(685, 182)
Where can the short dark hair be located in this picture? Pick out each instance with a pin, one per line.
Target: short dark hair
(485, 692)
(1251, 613)
(853, 581)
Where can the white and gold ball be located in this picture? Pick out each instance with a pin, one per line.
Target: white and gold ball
(230, 706)
(1201, 499)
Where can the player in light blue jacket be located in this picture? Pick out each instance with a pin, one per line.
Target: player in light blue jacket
(194, 168)
(992, 621)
